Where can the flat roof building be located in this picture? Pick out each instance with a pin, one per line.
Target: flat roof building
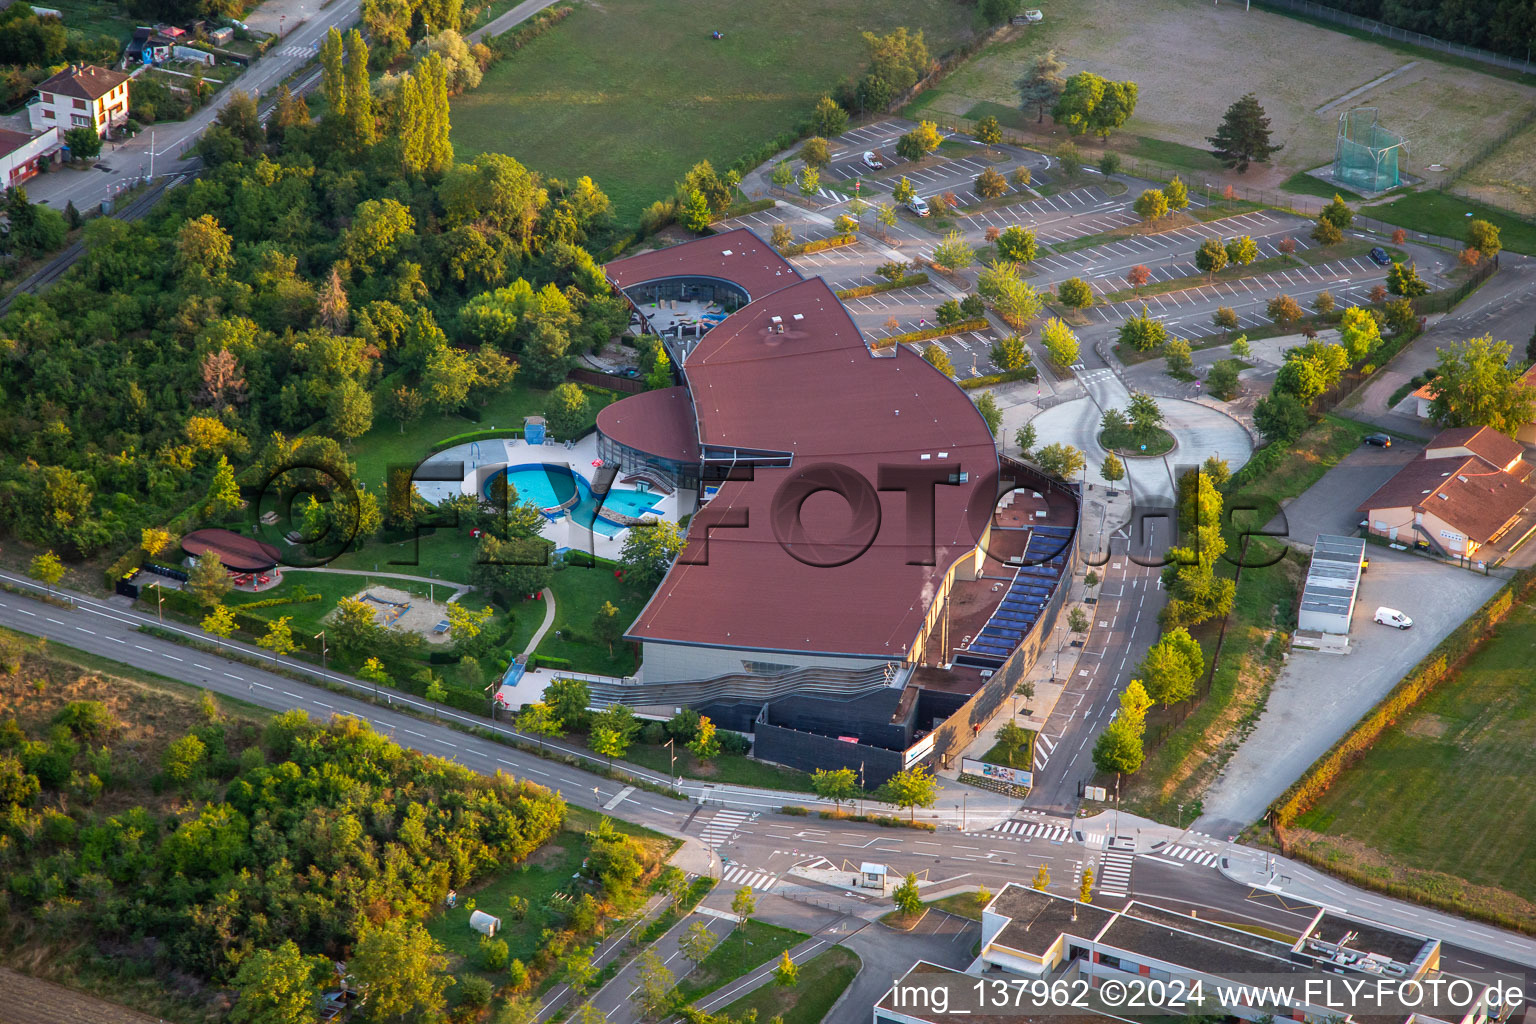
(1333, 583)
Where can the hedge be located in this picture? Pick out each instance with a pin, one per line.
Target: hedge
(750, 206)
(885, 286)
(520, 37)
(979, 324)
(1023, 373)
(1436, 667)
(131, 560)
(273, 602)
(883, 820)
(477, 435)
(547, 661)
(818, 245)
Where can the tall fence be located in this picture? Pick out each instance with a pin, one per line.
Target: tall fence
(1401, 35)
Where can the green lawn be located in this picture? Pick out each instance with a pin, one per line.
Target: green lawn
(749, 945)
(822, 980)
(1448, 788)
(1306, 184)
(442, 553)
(634, 92)
(961, 904)
(731, 769)
(1440, 213)
(579, 593)
(1022, 758)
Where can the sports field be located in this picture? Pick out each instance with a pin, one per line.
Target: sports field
(1192, 58)
(634, 92)
(1450, 789)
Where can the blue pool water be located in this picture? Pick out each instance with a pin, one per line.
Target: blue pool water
(550, 485)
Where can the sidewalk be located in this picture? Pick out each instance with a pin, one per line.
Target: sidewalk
(606, 952)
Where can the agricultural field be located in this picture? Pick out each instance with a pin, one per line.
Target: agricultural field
(634, 93)
(1446, 112)
(1443, 801)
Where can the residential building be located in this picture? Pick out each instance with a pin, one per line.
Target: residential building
(864, 580)
(1466, 491)
(1425, 394)
(81, 96)
(1029, 935)
(21, 154)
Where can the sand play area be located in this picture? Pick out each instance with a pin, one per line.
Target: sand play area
(400, 610)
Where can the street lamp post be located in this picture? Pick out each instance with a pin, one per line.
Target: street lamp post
(323, 651)
(160, 604)
(672, 749)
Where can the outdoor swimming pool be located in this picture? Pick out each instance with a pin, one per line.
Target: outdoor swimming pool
(549, 485)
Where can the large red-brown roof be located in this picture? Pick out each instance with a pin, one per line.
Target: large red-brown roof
(1488, 444)
(655, 422)
(236, 551)
(817, 392)
(737, 256)
(87, 82)
(1471, 494)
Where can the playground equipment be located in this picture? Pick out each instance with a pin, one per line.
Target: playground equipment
(392, 609)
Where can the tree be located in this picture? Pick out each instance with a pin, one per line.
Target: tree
(209, 581)
(919, 142)
(1025, 438)
(648, 553)
(566, 412)
(1284, 310)
(279, 636)
(1475, 387)
(1041, 87)
(204, 250)
(953, 252)
(1085, 891)
(1113, 469)
(1042, 880)
(828, 119)
(1152, 205)
(1484, 237)
(653, 997)
(1089, 103)
(1177, 193)
(1137, 277)
(1109, 164)
(607, 627)
(1221, 380)
(404, 405)
(697, 942)
(539, 719)
(1240, 347)
(1280, 417)
(1322, 302)
(1359, 333)
(333, 75)
(223, 492)
(278, 986)
(783, 175)
(1069, 160)
(48, 568)
(1010, 353)
(1243, 135)
(1211, 257)
(220, 621)
(1337, 213)
(988, 132)
(782, 237)
(696, 214)
(1074, 293)
(1017, 244)
(744, 903)
(1325, 232)
(810, 181)
(787, 973)
(1178, 356)
(1012, 737)
(885, 215)
(569, 699)
(403, 969)
(907, 897)
(1143, 332)
(1172, 666)
(1242, 251)
(357, 111)
(816, 153)
(1060, 343)
(939, 360)
(911, 788)
(349, 411)
(580, 972)
(990, 184)
(837, 784)
(705, 744)
(987, 406)
(1403, 279)
(1060, 460)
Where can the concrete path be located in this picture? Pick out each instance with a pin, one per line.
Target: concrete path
(549, 620)
(515, 16)
(611, 948)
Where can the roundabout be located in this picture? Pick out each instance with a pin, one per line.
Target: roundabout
(1157, 443)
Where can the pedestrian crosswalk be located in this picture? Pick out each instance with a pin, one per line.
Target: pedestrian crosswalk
(1114, 877)
(1094, 839)
(832, 195)
(723, 825)
(1034, 830)
(1204, 858)
(740, 874)
(296, 51)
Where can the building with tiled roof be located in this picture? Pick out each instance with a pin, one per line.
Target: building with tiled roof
(81, 96)
(1468, 489)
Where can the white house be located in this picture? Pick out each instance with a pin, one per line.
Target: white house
(81, 96)
(20, 154)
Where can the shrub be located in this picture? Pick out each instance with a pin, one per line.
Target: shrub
(493, 953)
(734, 743)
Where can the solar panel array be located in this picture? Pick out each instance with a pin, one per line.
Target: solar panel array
(1027, 596)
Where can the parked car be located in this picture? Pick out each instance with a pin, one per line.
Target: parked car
(1033, 15)
(1379, 440)
(1394, 618)
(872, 160)
(918, 206)
(1380, 256)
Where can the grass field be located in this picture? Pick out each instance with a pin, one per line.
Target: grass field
(1448, 788)
(579, 593)
(1441, 213)
(1504, 179)
(822, 980)
(1444, 110)
(749, 945)
(634, 92)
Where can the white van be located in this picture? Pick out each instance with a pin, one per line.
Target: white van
(1394, 618)
(918, 206)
